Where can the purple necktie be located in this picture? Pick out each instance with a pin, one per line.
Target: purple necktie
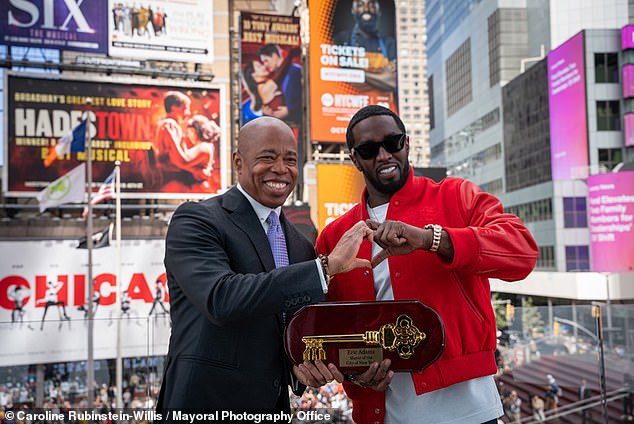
(277, 240)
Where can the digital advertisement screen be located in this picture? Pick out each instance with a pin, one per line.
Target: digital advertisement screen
(611, 202)
(334, 203)
(568, 115)
(167, 138)
(628, 119)
(271, 68)
(352, 62)
(628, 81)
(627, 37)
(55, 24)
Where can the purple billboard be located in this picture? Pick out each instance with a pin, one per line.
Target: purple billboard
(611, 199)
(568, 117)
(627, 37)
(55, 24)
(629, 129)
(628, 81)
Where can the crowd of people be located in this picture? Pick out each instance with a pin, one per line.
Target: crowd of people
(330, 397)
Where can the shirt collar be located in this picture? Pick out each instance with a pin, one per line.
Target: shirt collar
(260, 210)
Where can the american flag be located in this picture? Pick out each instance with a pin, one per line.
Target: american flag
(106, 191)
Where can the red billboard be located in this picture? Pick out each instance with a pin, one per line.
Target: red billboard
(352, 62)
(167, 138)
(271, 71)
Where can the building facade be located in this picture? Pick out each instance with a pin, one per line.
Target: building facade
(490, 122)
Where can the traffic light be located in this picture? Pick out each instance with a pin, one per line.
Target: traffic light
(510, 312)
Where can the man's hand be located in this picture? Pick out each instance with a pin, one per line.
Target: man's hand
(396, 238)
(343, 257)
(314, 375)
(377, 377)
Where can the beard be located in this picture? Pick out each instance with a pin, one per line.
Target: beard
(390, 187)
(368, 26)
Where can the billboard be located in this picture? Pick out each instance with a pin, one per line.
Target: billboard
(627, 37)
(611, 199)
(352, 62)
(628, 118)
(43, 301)
(171, 30)
(331, 203)
(167, 138)
(628, 81)
(55, 24)
(271, 71)
(567, 105)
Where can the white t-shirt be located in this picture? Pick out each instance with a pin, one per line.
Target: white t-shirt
(473, 401)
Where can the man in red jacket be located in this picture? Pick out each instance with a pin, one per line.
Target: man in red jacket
(438, 243)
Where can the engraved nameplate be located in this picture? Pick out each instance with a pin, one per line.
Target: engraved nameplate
(362, 357)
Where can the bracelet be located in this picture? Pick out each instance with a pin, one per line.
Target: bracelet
(323, 259)
(435, 243)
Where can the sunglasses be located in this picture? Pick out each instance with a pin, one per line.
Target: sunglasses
(391, 143)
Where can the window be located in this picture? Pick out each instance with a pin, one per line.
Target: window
(577, 258)
(458, 78)
(493, 187)
(610, 157)
(606, 67)
(539, 210)
(575, 213)
(546, 259)
(608, 115)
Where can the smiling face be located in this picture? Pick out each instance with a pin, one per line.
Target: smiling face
(366, 13)
(266, 161)
(386, 173)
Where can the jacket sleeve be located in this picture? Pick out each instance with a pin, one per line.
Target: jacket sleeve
(493, 243)
(199, 265)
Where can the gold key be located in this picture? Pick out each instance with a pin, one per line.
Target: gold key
(402, 337)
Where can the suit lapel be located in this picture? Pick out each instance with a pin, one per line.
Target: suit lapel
(243, 216)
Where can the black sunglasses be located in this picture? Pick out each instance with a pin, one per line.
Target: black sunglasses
(391, 143)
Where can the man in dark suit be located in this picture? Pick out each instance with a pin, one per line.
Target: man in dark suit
(230, 293)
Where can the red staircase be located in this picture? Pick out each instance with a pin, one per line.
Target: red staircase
(568, 370)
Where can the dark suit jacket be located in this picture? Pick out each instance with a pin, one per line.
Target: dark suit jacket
(226, 300)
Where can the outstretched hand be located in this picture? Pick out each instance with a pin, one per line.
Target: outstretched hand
(396, 238)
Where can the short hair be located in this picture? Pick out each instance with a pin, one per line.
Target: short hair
(366, 112)
(355, 4)
(173, 98)
(269, 50)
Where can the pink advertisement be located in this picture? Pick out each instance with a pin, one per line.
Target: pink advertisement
(629, 129)
(627, 37)
(628, 81)
(568, 117)
(611, 201)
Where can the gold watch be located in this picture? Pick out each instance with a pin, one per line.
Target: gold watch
(435, 243)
